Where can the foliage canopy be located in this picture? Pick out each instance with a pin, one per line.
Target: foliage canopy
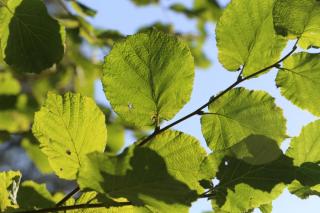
(47, 108)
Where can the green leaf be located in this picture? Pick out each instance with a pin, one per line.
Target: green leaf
(255, 150)
(116, 138)
(83, 9)
(245, 186)
(190, 13)
(299, 81)
(266, 208)
(69, 128)
(239, 114)
(38, 158)
(112, 206)
(210, 10)
(145, 2)
(9, 184)
(30, 38)
(148, 77)
(298, 19)
(8, 84)
(306, 147)
(32, 195)
(14, 115)
(246, 36)
(13, 121)
(155, 176)
(303, 192)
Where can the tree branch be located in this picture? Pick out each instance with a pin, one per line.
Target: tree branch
(80, 206)
(68, 196)
(199, 110)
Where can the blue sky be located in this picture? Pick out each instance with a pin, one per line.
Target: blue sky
(125, 17)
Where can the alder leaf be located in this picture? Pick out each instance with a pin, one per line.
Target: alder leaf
(9, 185)
(245, 185)
(303, 149)
(298, 19)
(299, 81)
(68, 128)
(246, 36)
(306, 147)
(30, 38)
(161, 176)
(148, 77)
(239, 114)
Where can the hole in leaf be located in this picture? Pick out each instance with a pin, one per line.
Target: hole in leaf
(130, 106)
(68, 152)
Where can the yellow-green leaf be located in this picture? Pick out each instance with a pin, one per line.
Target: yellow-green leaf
(246, 36)
(148, 77)
(69, 128)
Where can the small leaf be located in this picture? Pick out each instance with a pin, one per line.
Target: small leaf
(30, 38)
(299, 81)
(155, 176)
(83, 9)
(239, 114)
(69, 128)
(8, 84)
(148, 77)
(9, 185)
(116, 138)
(246, 36)
(38, 158)
(298, 19)
(306, 147)
(145, 2)
(32, 195)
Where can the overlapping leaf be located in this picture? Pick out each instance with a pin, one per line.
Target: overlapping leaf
(162, 176)
(251, 174)
(69, 128)
(38, 158)
(239, 114)
(9, 185)
(32, 195)
(298, 18)
(148, 77)
(299, 81)
(30, 38)
(246, 36)
(303, 149)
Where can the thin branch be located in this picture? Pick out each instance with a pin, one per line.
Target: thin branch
(80, 206)
(68, 196)
(199, 110)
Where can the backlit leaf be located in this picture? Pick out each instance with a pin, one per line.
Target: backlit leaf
(9, 185)
(299, 81)
(239, 114)
(298, 18)
(246, 36)
(69, 128)
(30, 38)
(148, 77)
(156, 176)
